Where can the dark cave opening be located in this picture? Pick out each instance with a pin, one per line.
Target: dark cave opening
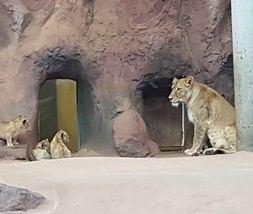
(166, 124)
(59, 76)
(158, 88)
(58, 104)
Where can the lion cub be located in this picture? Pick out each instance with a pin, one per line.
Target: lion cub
(42, 150)
(210, 113)
(58, 148)
(9, 131)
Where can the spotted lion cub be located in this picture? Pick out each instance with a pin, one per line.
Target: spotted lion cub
(42, 150)
(9, 131)
(44, 144)
(58, 148)
(210, 113)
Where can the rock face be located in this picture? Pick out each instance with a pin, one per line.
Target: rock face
(18, 199)
(118, 48)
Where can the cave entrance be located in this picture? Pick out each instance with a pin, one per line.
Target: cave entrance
(166, 124)
(58, 109)
(66, 101)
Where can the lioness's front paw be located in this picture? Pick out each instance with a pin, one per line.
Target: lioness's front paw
(10, 145)
(189, 152)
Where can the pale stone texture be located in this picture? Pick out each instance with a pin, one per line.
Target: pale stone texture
(203, 184)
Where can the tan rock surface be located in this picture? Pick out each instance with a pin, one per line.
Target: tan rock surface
(111, 48)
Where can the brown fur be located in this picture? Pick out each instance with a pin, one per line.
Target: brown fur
(58, 148)
(9, 131)
(210, 113)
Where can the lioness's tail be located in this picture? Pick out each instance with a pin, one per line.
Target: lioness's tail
(213, 151)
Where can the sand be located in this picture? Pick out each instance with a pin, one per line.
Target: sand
(113, 185)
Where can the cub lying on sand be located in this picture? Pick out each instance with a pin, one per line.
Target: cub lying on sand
(58, 148)
(44, 144)
(42, 150)
(9, 131)
(209, 112)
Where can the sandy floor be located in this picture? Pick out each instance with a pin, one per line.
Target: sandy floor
(203, 184)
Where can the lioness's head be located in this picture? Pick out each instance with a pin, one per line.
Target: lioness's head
(181, 90)
(63, 135)
(22, 122)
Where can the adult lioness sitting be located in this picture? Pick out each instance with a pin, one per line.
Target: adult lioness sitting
(9, 131)
(209, 112)
(58, 149)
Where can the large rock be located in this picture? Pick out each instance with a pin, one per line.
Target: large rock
(18, 199)
(130, 134)
(110, 50)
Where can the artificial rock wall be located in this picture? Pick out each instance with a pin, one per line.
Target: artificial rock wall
(113, 49)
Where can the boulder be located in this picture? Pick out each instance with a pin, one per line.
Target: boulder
(18, 199)
(130, 136)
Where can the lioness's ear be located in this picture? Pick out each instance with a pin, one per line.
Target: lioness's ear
(62, 135)
(189, 80)
(174, 80)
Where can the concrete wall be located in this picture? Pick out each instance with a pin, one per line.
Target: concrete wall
(242, 17)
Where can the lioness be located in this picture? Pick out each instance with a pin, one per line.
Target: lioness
(209, 112)
(58, 148)
(42, 150)
(9, 131)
